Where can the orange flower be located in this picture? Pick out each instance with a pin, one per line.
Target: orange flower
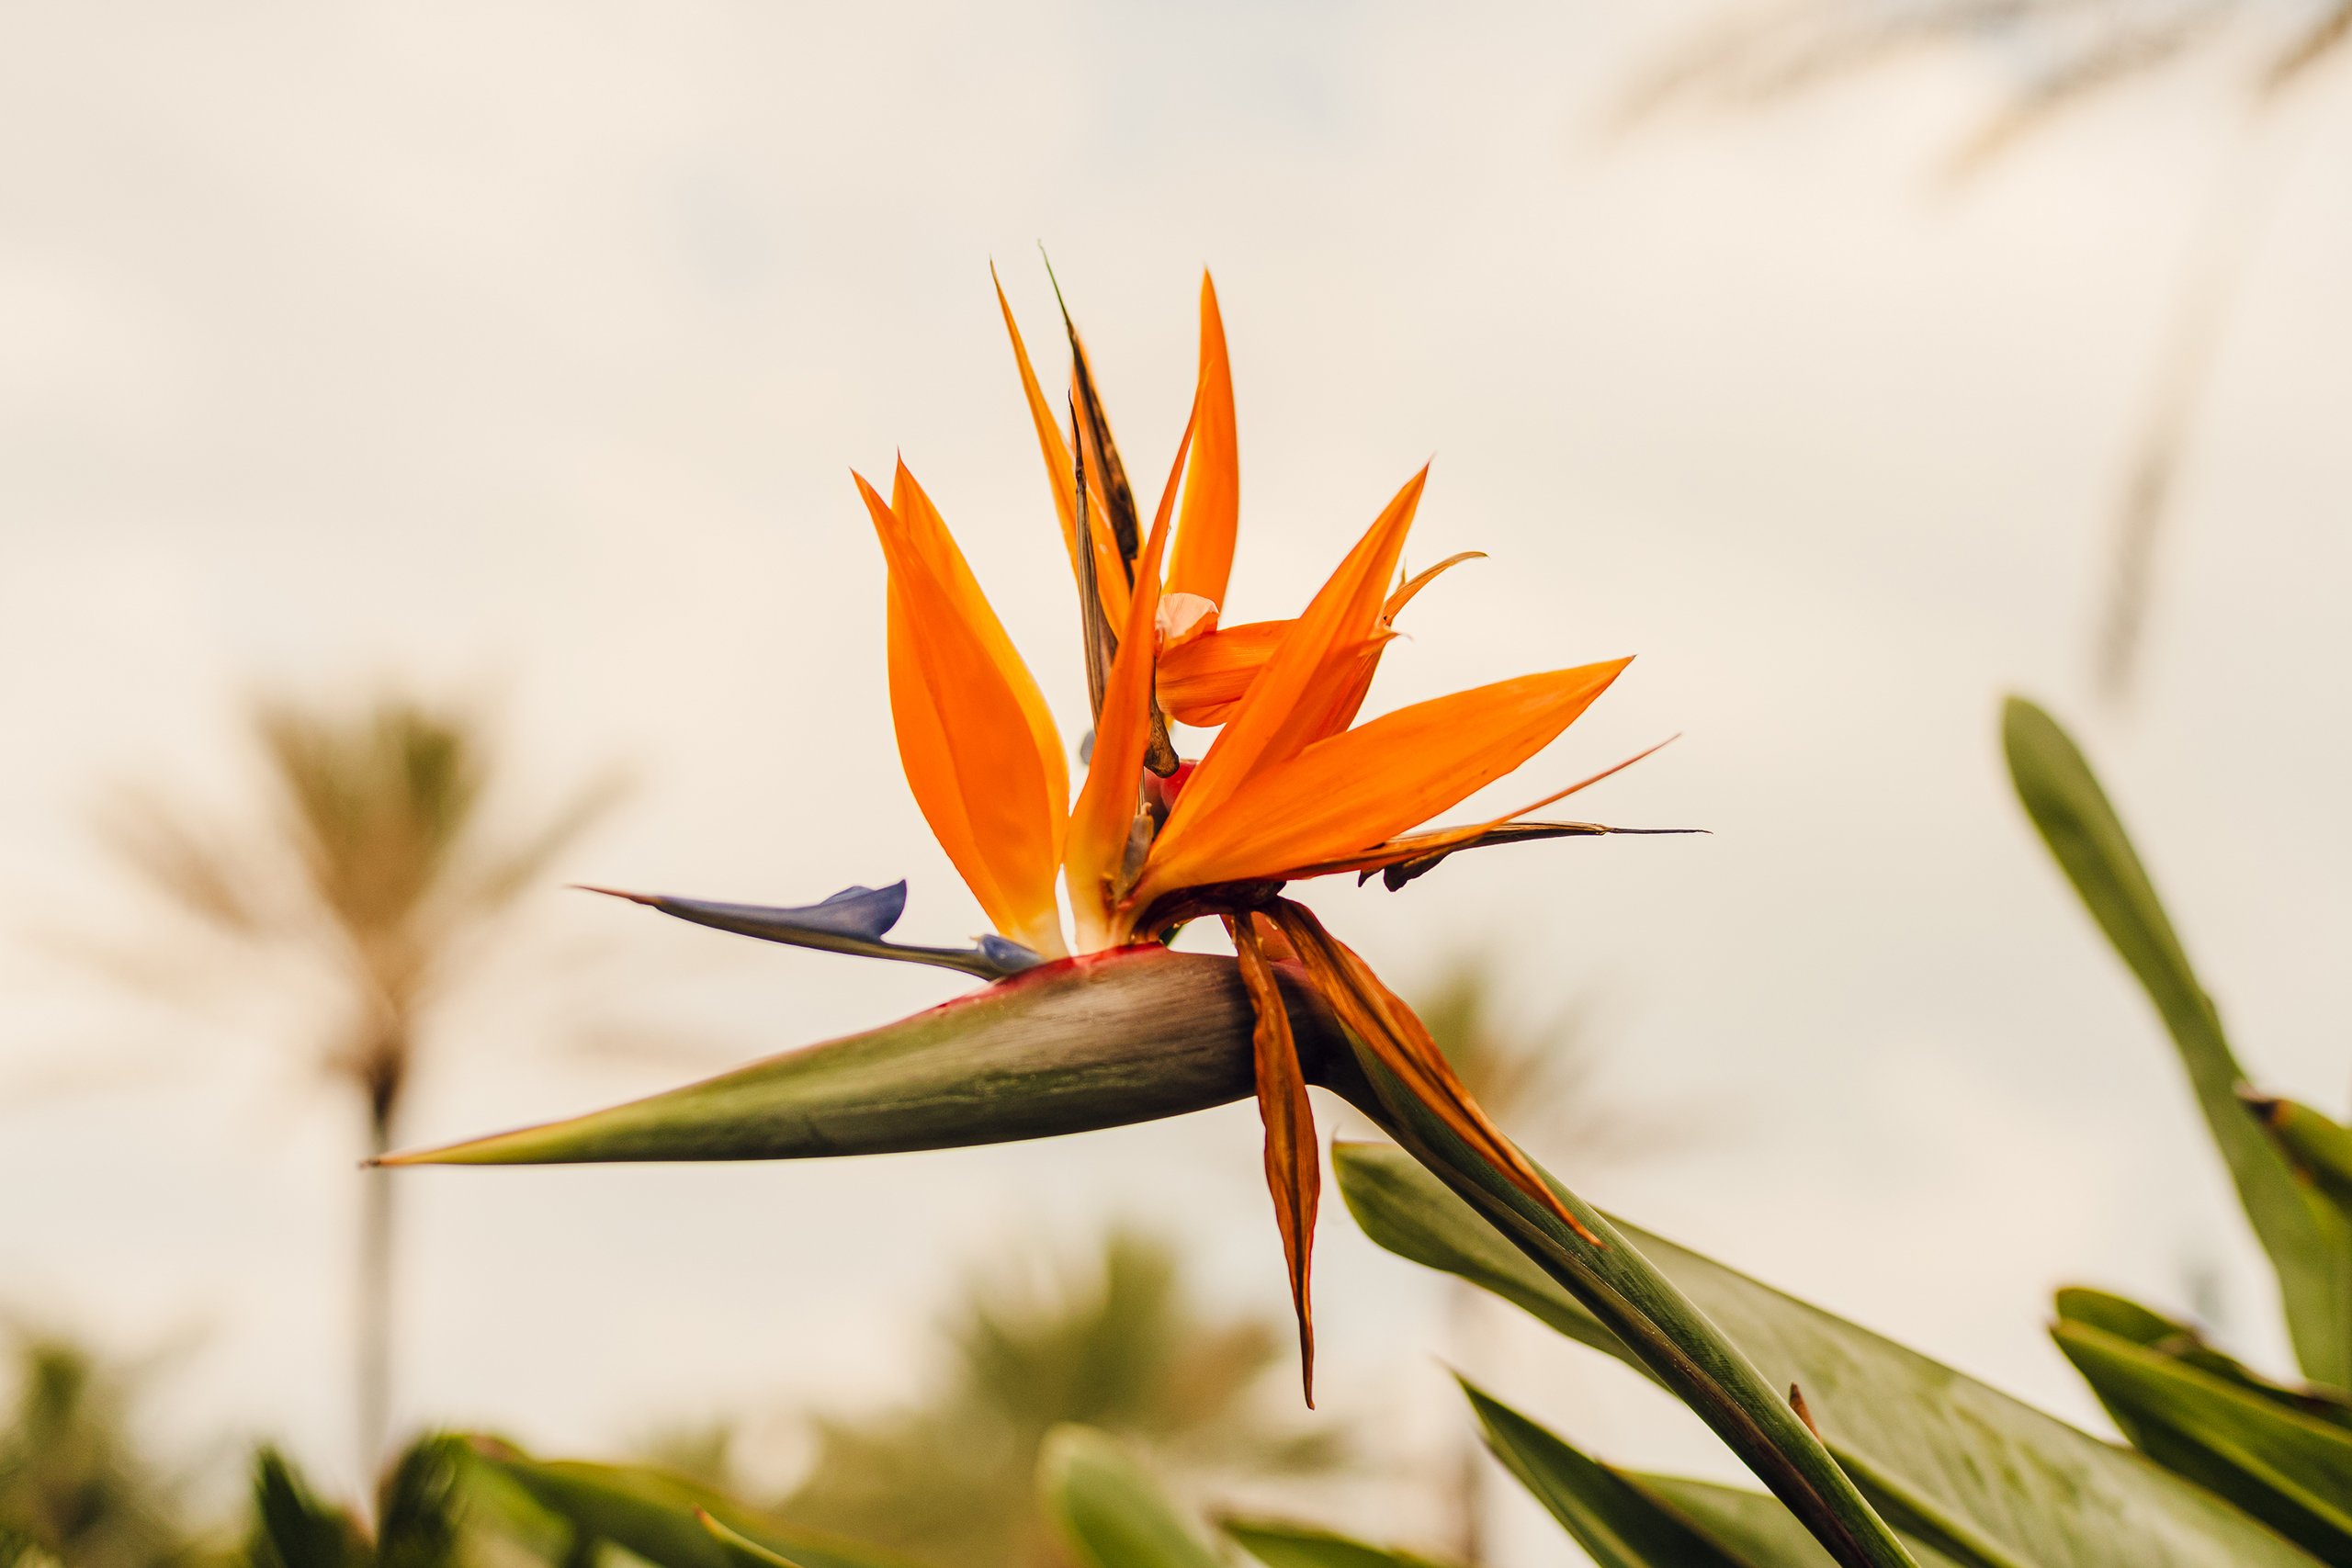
(1291, 786)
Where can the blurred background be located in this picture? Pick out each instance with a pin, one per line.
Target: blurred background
(424, 450)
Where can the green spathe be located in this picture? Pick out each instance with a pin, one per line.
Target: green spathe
(1103, 1041)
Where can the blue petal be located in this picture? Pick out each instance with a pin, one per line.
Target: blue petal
(853, 921)
(1008, 954)
(864, 913)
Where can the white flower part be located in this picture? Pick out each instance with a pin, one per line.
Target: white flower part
(1183, 616)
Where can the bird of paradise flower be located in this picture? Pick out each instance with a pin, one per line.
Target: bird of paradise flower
(1291, 786)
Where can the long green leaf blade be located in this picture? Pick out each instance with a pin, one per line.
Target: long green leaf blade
(1752, 1526)
(2039, 1489)
(744, 1546)
(2177, 1341)
(1618, 1524)
(2310, 1246)
(1109, 1509)
(1280, 1545)
(657, 1516)
(2283, 1466)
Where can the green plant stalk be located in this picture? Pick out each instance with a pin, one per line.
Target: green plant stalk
(1142, 1033)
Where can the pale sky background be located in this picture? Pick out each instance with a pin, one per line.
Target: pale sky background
(523, 349)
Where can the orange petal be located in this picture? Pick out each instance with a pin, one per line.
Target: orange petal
(1294, 1170)
(927, 532)
(1050, 444)
(1346, 794)
(929, 760)
(1266, 728)
(965, 739)
(1345, 679)
(1060, 471)
(1095, 855)
(1444, 841)
(1379, 1018)
(1337, 694)
(1212, 514)
(1200, 680)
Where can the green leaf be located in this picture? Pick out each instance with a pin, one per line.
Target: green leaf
(1974, 1473)
(1281, 1545)
(746, 1546)
(2177, 1341)
(1631, 1305)
(1616, 1522)
(419, 1505)
(2310, 1244)
(292, 1529)
(1109, 1510)
(1620, 1516)
(657, 1516)
(1749, 1525)
(2320, 1148)
(2283, 1466)
(1069, 1047)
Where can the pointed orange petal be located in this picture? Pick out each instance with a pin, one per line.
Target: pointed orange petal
(930, 763)
(928, 534)
(1212, 514)
(970, 755)
(1379, 1018)
(1050, 444)
(1096, 850)
(1202, 680)
(1294, 1170)
(1339, 689)
(1442, 840)
(1265, 728)
(1354, 790)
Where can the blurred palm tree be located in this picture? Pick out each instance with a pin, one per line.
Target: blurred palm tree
(2058, 54)
(73, 1487)
(1545, 1083)
(1118, 1345)
(375, 864)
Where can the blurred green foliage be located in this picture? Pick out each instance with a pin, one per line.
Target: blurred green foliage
(74, 1485)
(1115, 1343)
